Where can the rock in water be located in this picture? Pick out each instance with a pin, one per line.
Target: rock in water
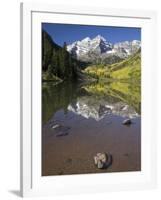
(127, 122)
(102, 160)
(60, 130)
(62, 134)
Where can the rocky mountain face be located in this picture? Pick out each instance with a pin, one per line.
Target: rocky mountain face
(99, 50)
(127, 48)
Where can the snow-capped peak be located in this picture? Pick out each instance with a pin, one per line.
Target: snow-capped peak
(99, 37)
(87, 39)
(136, 42)
(90, 50)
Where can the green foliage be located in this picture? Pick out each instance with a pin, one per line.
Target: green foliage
(128, 69)
(56, 60)
(47, 50)
(98, 71)
(46, 76)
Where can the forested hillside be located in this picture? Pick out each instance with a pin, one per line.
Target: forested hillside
(128, 69)
(57, 63)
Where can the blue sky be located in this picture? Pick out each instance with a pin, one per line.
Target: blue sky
(69, 33)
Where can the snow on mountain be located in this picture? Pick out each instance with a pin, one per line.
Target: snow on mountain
(91, 50)
(129, 47)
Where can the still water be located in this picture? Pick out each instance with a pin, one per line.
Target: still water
(81, 120)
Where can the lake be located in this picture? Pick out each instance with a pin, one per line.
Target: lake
(81, 120)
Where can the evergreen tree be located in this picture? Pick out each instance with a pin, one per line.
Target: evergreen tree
(50, 69)
(65, 58)
(54, 63)
(70, 67)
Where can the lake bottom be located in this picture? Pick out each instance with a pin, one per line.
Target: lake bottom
(70, 142)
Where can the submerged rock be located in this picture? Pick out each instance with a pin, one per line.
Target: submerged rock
(127, 122)
(61, 130)
(62, 134)
(58, 129)
(102, 160)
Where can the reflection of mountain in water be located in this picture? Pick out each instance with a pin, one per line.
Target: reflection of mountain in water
(91, 101)
(87, 108)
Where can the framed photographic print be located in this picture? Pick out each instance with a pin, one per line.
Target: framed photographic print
(87, 99)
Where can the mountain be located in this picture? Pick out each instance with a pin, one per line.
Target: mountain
(99, 50)
(127, 47)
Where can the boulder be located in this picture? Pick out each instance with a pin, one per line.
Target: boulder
(102, 160)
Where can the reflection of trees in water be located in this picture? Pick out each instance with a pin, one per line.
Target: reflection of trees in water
(56, 97)
(131, 95)
(113, 92)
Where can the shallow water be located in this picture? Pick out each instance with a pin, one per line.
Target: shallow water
(80, 121)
